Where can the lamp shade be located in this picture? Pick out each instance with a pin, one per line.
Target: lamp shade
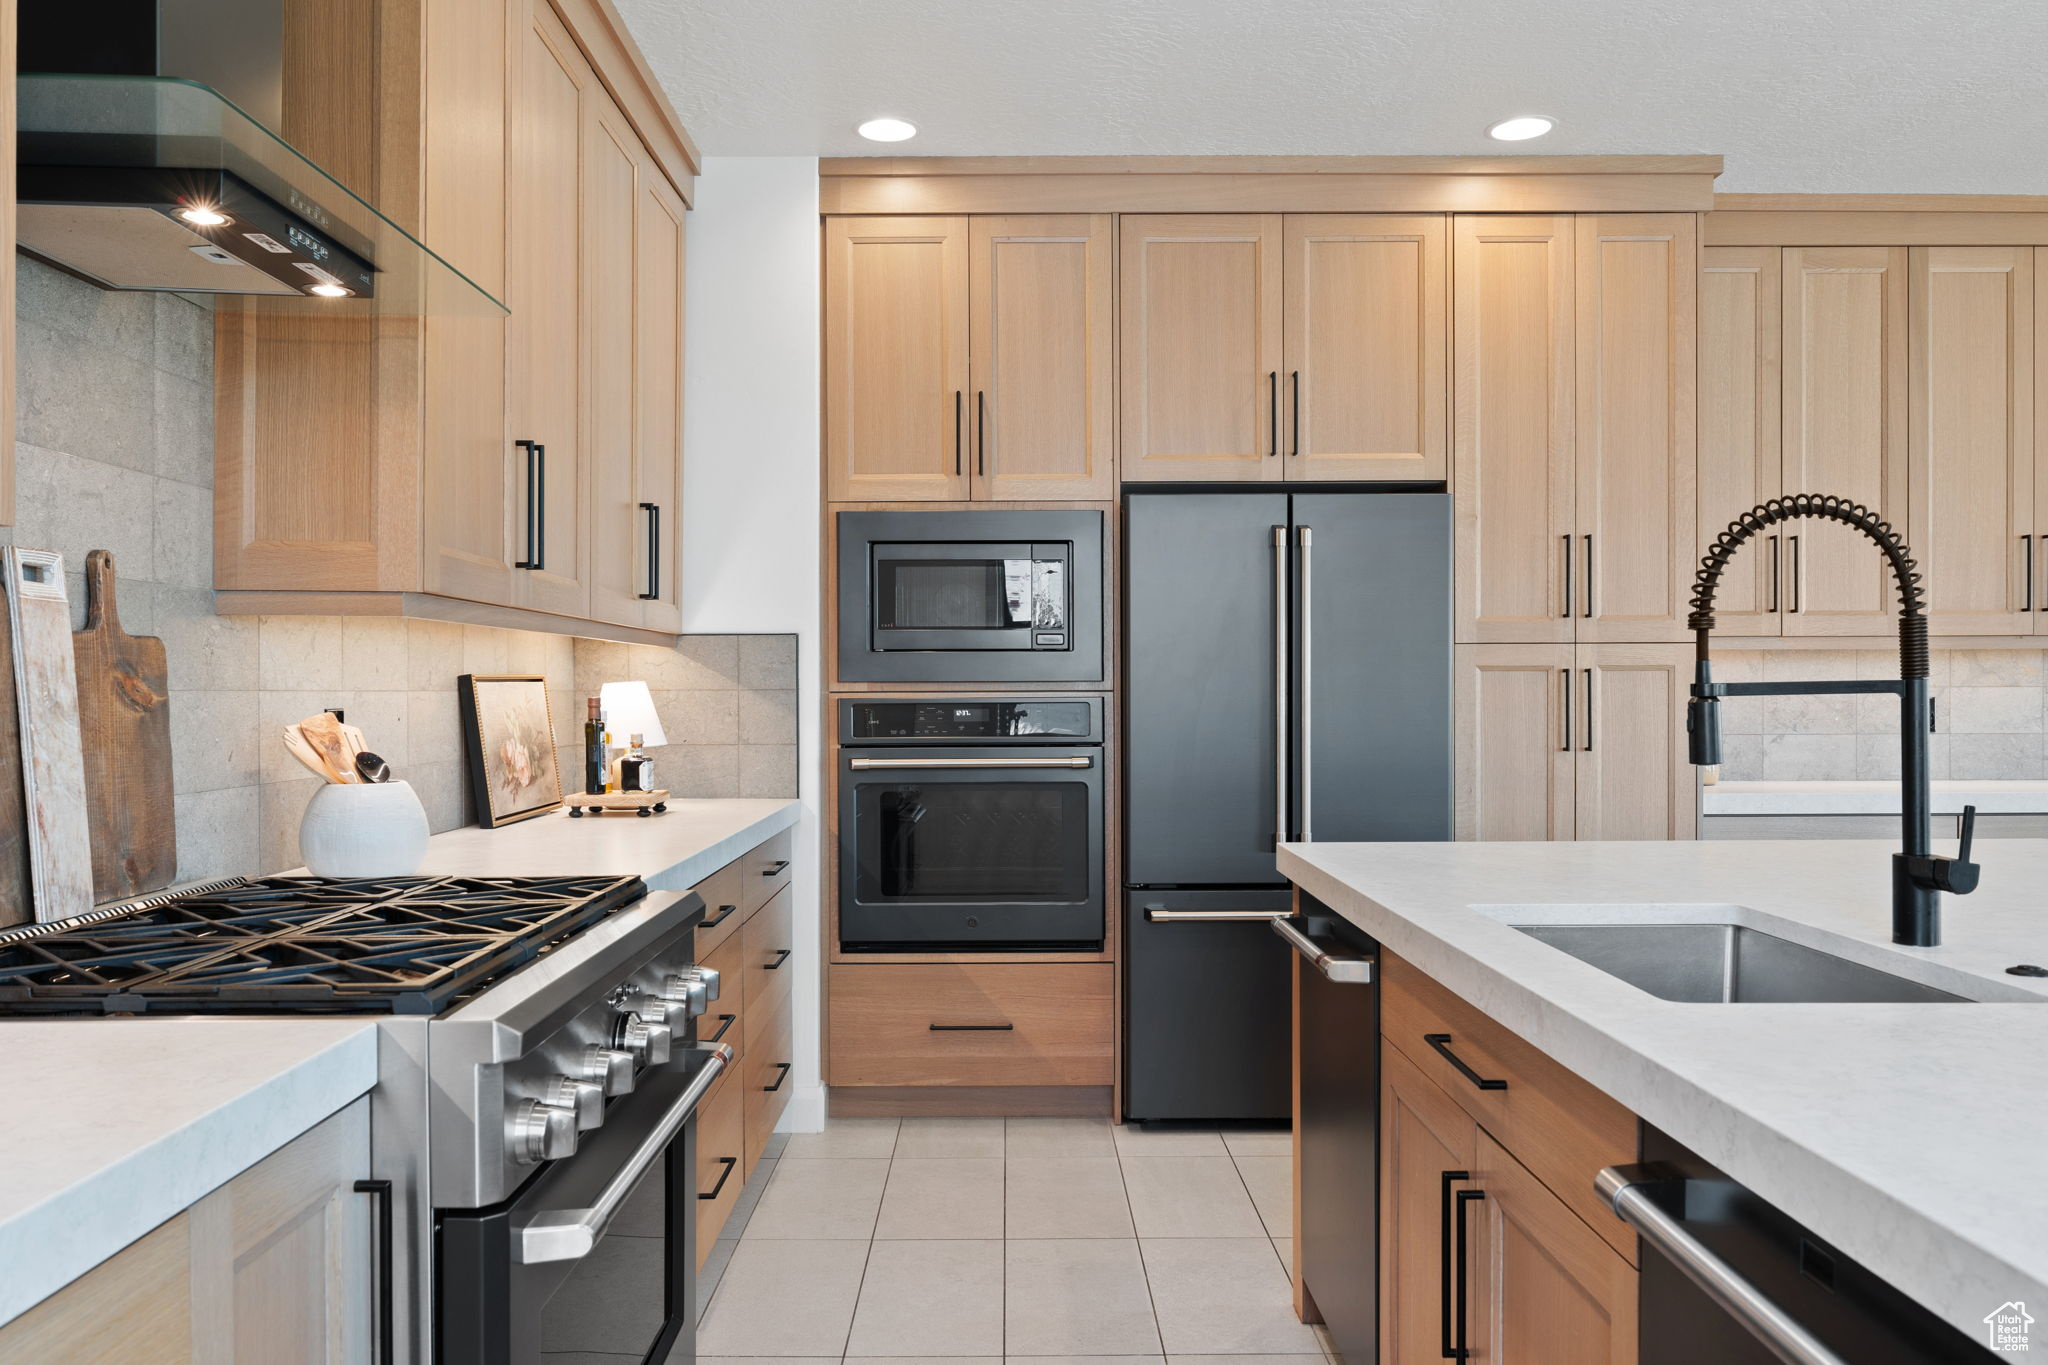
(629, 711)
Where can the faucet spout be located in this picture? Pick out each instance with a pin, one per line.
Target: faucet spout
(1918, 875)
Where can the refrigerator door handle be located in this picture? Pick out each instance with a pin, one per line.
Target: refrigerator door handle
(1279, 686)
(1306, 758)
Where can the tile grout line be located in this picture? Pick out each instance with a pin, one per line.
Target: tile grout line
(1144, 1269)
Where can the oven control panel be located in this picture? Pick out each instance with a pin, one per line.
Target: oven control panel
(977, 720)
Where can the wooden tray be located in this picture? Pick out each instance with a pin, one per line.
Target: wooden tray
(642, 803)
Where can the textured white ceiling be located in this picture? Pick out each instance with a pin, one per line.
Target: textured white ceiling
(1899, 96)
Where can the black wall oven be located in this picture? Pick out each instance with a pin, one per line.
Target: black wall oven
(596, 1257)
(971, 824)
(948, 596)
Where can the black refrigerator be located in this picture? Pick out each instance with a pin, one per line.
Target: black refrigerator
(1287, 665)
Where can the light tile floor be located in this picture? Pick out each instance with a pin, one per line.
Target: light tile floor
(1049, 1241)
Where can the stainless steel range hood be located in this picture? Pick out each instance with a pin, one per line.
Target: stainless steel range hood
(154, 183)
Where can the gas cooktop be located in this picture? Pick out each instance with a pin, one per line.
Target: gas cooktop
(397, 945)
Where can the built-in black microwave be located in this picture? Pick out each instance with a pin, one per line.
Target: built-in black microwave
(971, 596)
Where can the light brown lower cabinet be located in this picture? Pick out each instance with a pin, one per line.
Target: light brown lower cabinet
(275, 1265)
(1574, 742)
(972, 1024)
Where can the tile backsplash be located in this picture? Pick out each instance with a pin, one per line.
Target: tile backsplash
(115, 451)
(1991, 710)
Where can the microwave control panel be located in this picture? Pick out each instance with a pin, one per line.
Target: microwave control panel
(976, 719)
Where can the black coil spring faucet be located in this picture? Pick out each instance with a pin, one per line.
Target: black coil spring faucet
(1919, 875)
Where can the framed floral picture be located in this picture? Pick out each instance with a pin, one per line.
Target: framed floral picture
(511, 741)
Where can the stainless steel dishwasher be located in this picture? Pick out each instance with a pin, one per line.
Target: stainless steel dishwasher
(1337, 1123)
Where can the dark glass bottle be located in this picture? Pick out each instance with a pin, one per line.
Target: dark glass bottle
(593, 750)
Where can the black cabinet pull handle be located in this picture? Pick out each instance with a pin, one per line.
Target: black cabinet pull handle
(1567, 575)
(540, 505)
(2030, 578)
(1464, 1197)
(1589, 577)
(1589, 711)
(380, 1190)
(973, 1028)
(1296, 448)
(774, 869)
(980, 433)
(956, 434)
(1796, 574)
(780, 958)
(725, 912)
(1273, 411)
(724, 1027)
(1566, 674)
(2028, 542)
(783, 1067)
(1450, 1351)
(1774, 573)
(653, 512)
(726, 1163)
(1442, 1043)
(532, 560)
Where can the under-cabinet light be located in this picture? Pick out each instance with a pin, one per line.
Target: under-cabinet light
(1521, 128)
(887, 130)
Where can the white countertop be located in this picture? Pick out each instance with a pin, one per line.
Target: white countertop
(1868, 798)
(1914, 1137)
(119, 1124)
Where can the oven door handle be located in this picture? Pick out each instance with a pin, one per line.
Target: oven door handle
(862, 765)
(570, 1234)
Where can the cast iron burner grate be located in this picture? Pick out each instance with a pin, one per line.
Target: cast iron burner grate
(398, 945)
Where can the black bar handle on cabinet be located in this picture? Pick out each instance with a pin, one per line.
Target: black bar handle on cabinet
(1793, 541)
(2028, 542)
(1451, 1351)
(1589, 576)
(973, 1028)
(1296, 450)
(782, 1067)
(957, 399)
(1588, 747)
(781, 957)
(532, 560)
(1567, 574)
(724, 1027)
(725, 912)
(980, 433)
(1442, 1043)
(540, 505)
(381, 1191)
(725, 1164)
(2030, 582)
(1464, 1197)
(774, 869)
(653, 512)
(1774, 574)
(1566, 674)
(1273, 411)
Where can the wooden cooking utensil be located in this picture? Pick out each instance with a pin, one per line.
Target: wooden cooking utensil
(323, 732)
(301, 748)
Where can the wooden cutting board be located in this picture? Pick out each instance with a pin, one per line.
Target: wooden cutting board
(52, 771)
(124, 722)
(16, 903)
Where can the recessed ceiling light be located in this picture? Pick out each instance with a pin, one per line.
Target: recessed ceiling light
(203, 216)
(1521, 128)
(887, 130)
(329, 291)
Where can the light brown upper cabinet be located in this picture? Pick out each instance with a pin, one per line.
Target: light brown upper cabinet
(658, 252)
(1512, 409)
(1972, 454)
(1201, 349)
(1366, 304)
(1740, 321)
(1044, 403)
(969, 358)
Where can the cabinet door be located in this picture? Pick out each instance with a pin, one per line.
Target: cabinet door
(1511, 429)
(1425, 1141)
(896, 378)
(611, 197)
(1548, 1290)
(658, 237)
(1738, 428)
(1363, 386)
(1044, 402)
(1844, 359)
(1972, 443)
(281, 1260)
(1516, 706)
(1633, 779)
(1637, 506)
(136, 1305)
(545, 393)
(1200, 374)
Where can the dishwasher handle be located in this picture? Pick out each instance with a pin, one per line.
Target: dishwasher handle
(1342, 968)
(1627, 1190)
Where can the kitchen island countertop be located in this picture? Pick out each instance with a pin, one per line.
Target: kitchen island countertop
(1913, 1137)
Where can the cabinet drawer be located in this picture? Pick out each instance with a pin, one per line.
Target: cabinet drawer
(768, 1086)
(972, 1024)
(767, 957)
(1559, 1126)
(722, 912)
(721, 1156)
(764, 872)
(725, 1019)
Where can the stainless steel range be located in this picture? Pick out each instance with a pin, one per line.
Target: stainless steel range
(537, 1079)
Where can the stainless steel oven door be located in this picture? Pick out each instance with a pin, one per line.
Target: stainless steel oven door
(971, 847)
(595, 1259)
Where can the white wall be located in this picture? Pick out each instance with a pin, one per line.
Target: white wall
(751, 550)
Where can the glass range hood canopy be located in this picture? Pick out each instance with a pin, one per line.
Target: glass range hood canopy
(147, 182)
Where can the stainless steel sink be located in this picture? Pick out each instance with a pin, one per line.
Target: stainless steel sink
(1728, 964)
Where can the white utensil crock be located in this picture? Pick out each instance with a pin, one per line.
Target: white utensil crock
(370, 829)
